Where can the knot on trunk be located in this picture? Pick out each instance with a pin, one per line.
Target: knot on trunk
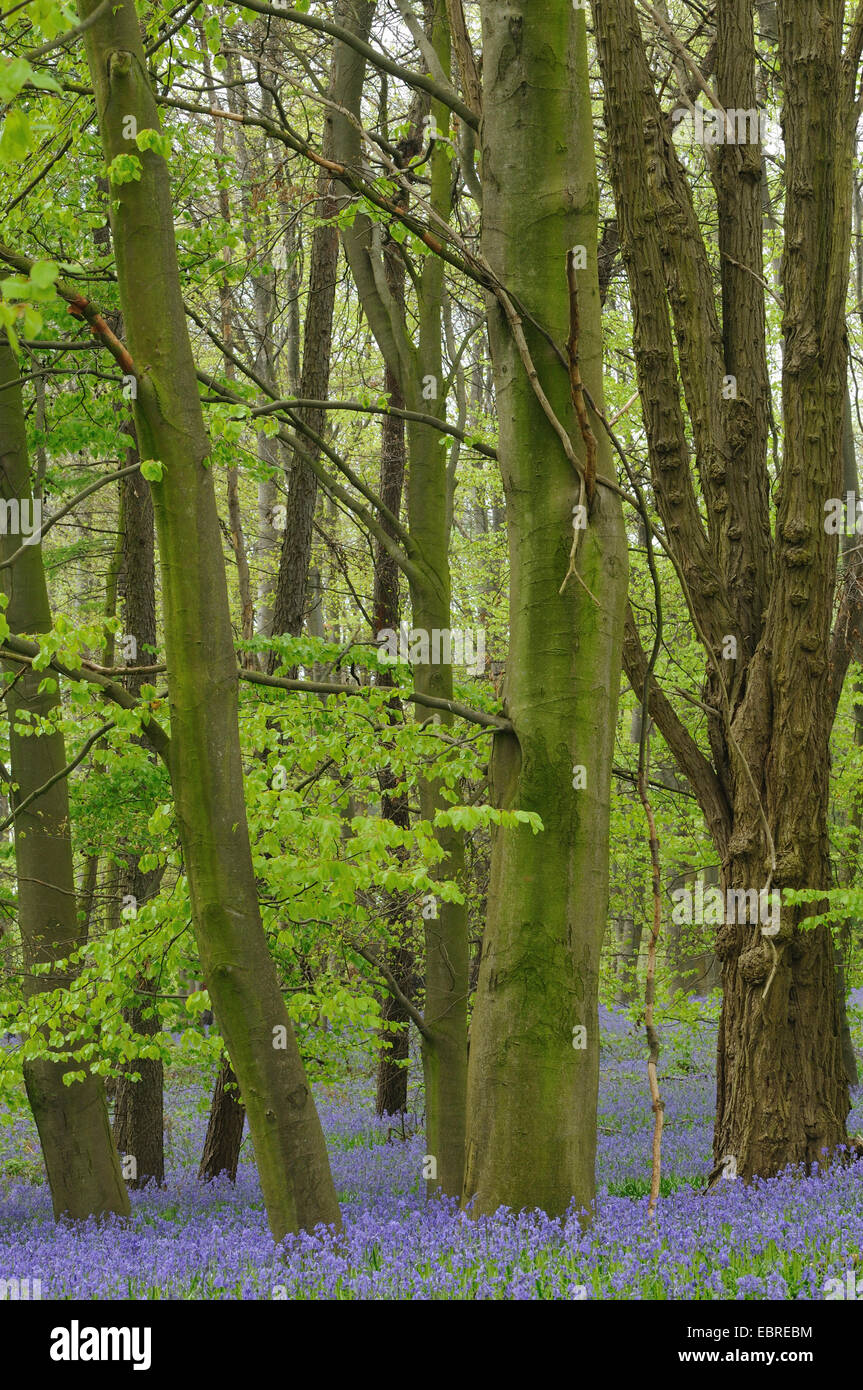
(755, 964)
(726, 941)
(119, 63)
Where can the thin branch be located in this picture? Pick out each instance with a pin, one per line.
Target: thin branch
(403, 558)
(662, 23)
(415, 416)
(392, 984)
(79, 307)
(69, 506)
(64, 40)
(446, 95)
(426, 47)
(473, 716)
(18, 649)
(58, 776)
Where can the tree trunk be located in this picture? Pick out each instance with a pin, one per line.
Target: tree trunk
(138, 1108)
(532, 1089)
(779, 1102)
(221, 1152)
(630, 933)
(392, 1085)
(782, 1094)
(205, 760)
(290, 599)
(693, 969)
(81, 1162)
(446, 946)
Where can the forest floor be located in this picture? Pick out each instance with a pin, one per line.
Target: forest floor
(772, 1240)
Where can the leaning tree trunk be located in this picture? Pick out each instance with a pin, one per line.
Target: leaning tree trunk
(205, 760)
(532, 1089)
(81, 1162)
(392, 1083)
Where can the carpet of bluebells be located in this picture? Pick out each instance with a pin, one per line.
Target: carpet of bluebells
(772, 1240)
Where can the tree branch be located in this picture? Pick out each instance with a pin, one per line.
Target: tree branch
(64, 40)
(688, 756)
(68, 507)
(79, 307)
(18, 649)
(445, 94)
(58, 776)
(473, 716)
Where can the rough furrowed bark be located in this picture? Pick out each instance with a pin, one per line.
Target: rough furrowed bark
(80, 1159)
(636, 143)
(221, 1151)
(205, 763)
(533, 1074)
(747, 558)
(782, 1086)
(139, 1106)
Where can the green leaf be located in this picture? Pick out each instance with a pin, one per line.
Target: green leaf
(124, 168)
(14, 288)
(32, 321)
(45, 82)
(14, 73)
(15, 138)
(151, 469)
(44, 273)
(154, 140)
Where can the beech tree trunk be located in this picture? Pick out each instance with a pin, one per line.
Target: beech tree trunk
(82, 1164)
(532, 1090)
(444, 1045)
(392, 1083)
(205, 762)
